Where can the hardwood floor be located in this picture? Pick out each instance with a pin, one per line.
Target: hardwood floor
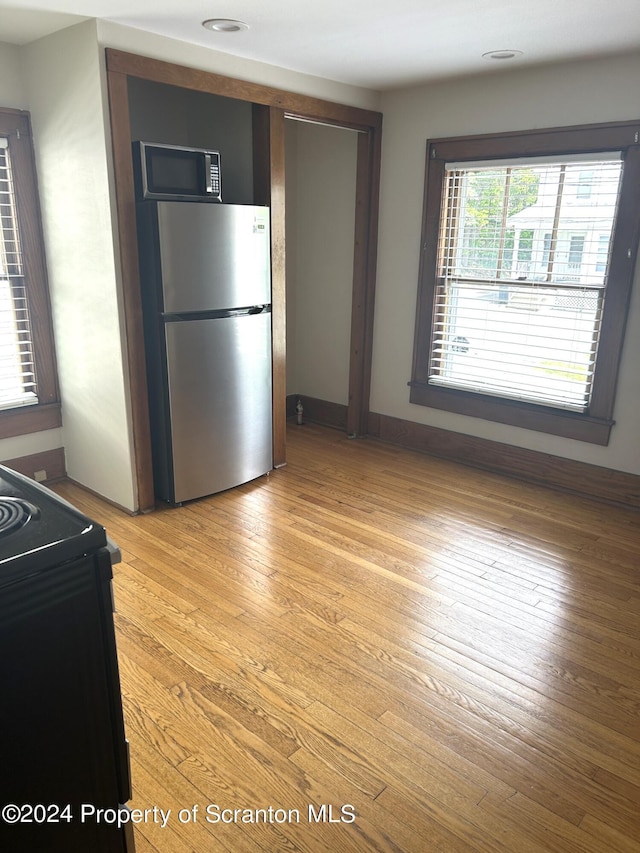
(452, 656)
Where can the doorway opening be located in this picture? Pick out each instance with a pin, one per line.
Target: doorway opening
(320, 192)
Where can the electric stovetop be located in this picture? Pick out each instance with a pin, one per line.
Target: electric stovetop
(38, 529)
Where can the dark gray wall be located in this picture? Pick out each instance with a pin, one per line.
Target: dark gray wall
(169, 114)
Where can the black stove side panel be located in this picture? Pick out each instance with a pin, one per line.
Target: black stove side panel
(61, 727)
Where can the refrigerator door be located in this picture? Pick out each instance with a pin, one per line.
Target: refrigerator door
(219, 390)
(213, 256)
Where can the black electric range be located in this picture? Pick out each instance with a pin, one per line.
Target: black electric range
(61, 720)
(38, 529)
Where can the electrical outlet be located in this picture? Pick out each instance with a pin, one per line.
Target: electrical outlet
(39, 476)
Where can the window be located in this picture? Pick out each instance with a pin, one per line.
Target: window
(28, 386)
(17, 371)
(585, 182)
(576, 249)
(525, 246)
(529, 246)
(602, 252)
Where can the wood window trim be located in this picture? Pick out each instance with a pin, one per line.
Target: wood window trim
(15, 125)
(595, 425)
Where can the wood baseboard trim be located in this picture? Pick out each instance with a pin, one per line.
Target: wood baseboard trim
(592, 481)
(50, 461)
(292, 400)
(318, 411)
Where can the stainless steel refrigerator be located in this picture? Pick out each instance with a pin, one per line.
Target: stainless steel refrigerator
(206, 289)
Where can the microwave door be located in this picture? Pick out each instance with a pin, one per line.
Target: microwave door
(171, 172)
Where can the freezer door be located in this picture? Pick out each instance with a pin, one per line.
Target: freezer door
(213, 256)
(219, 387)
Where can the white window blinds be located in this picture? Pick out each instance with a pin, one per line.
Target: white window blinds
(17, 371)
(522, 272)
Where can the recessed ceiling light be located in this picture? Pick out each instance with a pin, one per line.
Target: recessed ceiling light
(502, 54)
(224, 25)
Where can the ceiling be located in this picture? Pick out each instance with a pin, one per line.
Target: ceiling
(371, 43)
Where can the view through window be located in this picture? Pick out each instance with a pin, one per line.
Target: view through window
(17, 370)
(29, 397)
(523, 259)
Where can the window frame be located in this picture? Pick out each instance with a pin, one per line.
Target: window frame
(593, 426)
(15, 126)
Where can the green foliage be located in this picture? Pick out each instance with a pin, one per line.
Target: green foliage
(485, 195)
(564, 370)
(484, 211)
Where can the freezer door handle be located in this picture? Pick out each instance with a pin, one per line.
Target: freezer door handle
(218, 314)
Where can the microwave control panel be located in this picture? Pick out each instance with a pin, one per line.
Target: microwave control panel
(215, 180)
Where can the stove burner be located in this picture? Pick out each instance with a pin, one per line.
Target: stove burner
(14, 514)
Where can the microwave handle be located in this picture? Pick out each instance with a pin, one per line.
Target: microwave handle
(207, 174)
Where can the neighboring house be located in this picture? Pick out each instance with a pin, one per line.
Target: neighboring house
(584, 209)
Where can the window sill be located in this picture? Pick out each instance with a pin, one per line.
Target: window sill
(25, 420)
(515, 413)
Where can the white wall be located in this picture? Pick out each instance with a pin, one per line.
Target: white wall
(194, 56)
(514, 99)
(320, 205)
(12, 92)
(63, 81)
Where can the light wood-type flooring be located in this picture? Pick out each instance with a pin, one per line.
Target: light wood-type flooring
(449, 656)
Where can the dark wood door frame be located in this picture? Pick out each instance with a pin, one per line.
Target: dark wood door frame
(270, 107)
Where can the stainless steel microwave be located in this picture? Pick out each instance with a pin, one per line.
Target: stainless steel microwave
(175, 172)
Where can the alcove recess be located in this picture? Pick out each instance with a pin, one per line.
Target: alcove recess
(177, 116)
